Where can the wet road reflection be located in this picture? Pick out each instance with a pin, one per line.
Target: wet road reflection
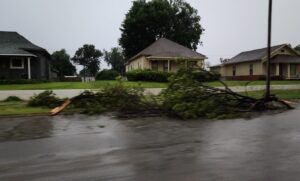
(82, 147)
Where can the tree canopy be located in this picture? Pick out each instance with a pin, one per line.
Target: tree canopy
(115, 59)
(61, 64)
(89, 57)
(297, 48)
(147, 21)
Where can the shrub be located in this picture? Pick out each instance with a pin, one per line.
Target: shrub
(112, 97)
(72, 79)
(12, 99)
(148, 75)
(21, 81)
(202, 76)
(46, 99)
(107, 75)
(273, 77)
(187, 98)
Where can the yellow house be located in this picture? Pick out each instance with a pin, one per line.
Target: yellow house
(251, 65)
(165, 55)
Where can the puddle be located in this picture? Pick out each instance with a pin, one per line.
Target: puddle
(26, 130)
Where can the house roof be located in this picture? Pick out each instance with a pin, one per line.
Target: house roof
(257, 54)
(215, 66)
(285, 59)
(12, 43)
(167, 48)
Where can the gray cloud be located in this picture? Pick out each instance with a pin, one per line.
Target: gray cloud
(231, 26)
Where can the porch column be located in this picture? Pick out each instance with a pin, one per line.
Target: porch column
(289, 71)
(29, 68)
(277, 69)
(168, 65)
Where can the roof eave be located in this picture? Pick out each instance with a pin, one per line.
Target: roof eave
(19, 55)
(175, 58)
(246, 61)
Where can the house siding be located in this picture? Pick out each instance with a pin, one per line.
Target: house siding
(39, 68)
(259, 67)
(139, 63)
(42, 66)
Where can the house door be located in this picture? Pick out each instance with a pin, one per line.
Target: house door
(293, 70)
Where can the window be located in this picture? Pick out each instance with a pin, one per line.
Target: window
(16, 63)
(192, 64)
(154, 65)
(234, 70)
(251, 69)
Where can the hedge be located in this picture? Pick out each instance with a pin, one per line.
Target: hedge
(107, 75)
(205, 77)
(148, 75)
(22, 81)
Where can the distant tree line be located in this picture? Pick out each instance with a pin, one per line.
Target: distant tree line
(89, 58)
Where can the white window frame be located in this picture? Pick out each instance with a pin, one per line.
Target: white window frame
(11, 63)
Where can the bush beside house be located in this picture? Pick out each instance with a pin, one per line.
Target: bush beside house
(107, 75)
(205, 76)
(148, 75)
(22, 81)
(155, 76)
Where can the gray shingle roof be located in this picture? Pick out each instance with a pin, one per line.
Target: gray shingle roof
(252, 55)
(285, 59)
(12, 43)
(167, 48)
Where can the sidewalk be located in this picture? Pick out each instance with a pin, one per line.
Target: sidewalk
(64, 93)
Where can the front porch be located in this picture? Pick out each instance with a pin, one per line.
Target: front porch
(285, 67)
(172, 65)
(17, 67)
(286, 70)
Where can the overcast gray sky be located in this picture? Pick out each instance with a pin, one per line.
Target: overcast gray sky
(231, 26)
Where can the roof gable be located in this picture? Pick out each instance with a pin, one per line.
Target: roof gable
(12, 43)
(167, 48)
(252, 55)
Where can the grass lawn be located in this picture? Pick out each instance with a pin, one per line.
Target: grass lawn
(77, 85)
(259, 82)
(100, 84)
(20, 108)
(283, 94)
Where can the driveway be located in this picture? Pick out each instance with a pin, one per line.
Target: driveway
(78, 147)
(63, 93)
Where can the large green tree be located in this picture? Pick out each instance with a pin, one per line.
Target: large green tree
(297, 48)
(115, 59)
(147, 21)
(89, 57)
(61, 64)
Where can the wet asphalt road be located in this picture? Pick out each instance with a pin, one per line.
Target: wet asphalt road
(78, 148)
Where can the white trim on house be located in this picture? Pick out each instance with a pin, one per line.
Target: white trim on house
(19, 55)
(29, 68)
(11, 66)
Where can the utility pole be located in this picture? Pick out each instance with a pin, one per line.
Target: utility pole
(268, 77)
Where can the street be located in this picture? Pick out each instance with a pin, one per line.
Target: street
(79, 147)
